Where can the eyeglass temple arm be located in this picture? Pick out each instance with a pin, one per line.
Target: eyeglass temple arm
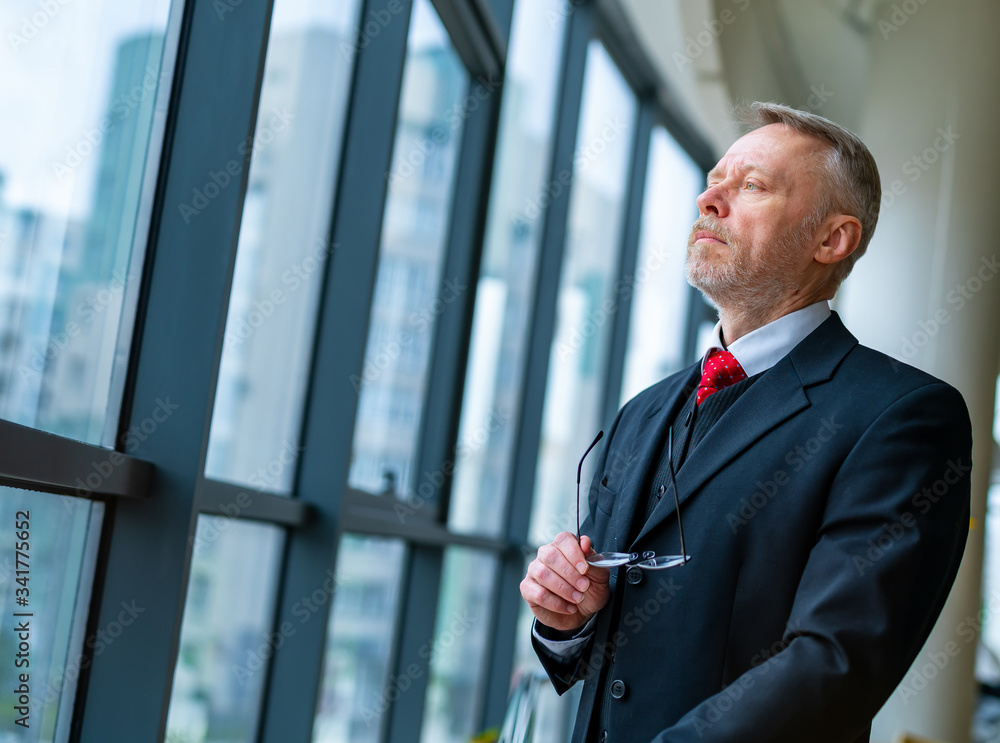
(579, 470)
(677, 504)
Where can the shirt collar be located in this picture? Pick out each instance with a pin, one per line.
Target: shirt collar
(762, 348)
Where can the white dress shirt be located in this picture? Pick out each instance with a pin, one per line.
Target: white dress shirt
(756, 351)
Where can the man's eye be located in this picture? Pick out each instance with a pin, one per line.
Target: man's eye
(751, 186)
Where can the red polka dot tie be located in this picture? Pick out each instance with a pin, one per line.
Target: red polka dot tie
(721, 370)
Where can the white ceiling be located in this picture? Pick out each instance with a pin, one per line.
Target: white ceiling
(811, 54)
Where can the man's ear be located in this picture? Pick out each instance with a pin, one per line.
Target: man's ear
(843, 235)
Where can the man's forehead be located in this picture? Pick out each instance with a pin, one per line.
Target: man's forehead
(774, 148)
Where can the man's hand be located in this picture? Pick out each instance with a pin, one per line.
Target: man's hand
(562, 590)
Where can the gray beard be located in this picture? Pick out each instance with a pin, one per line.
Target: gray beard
(740, 290)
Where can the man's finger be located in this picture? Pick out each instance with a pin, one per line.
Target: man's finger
(552, 557)
(568, 545)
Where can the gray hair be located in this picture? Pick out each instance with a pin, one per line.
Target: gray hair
(852, 181)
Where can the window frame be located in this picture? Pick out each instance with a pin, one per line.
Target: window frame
(155, 496)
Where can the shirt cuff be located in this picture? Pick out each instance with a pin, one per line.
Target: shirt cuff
(564, 648)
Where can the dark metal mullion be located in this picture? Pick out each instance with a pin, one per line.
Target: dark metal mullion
(217, 498)
(442, 403)
(36, 460)
(419, 603)
(174, 357)
(446, 368)
(473, 36)
(625, 290)
(529, 421)
(337, 366)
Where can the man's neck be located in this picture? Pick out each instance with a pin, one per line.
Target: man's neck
(735, 325)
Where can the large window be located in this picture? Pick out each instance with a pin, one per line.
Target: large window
(84, 92)
(660, 290)
(79, 149)
(504, 297)
(380, 265)
(588, 302)
(283, 245)
(410, 290)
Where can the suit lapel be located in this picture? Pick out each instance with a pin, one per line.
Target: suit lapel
(647, 450)
(775, 397)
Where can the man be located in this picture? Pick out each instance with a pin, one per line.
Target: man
(823, 487)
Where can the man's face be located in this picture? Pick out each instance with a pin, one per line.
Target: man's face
(752, 243)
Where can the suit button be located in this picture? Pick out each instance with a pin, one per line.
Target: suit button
(604, 737)
(618, 689)
(660, 491)
(634, 575)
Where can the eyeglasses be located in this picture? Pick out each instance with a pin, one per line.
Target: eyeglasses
(648, 559)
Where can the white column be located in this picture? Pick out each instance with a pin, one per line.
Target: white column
(928, 290)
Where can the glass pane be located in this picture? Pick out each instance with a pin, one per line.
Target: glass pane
(659, 300)
(574, 394)
(410, 291)
(283, 245)
(554, 715)
(458, 650)
(355, 693)
(504, 297)
(84, 96)
(226, 634)
(48, 549)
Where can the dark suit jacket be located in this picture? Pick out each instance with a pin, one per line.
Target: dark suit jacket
(825, 513)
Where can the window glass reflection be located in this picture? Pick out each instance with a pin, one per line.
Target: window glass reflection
(410, 290)
(283, 245)
(660, 291)
(79, 150)
(356, 691)
(48, 550)
(504, 297)
(587, 301)
(457, 652)
(226, 634)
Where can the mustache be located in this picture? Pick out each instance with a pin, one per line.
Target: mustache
(713, 225)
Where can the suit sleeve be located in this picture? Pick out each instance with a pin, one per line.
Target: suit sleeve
(565, 670)
(892, 537)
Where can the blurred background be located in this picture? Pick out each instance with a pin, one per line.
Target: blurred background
(309, 308)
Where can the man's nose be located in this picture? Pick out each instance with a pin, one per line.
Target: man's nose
(713, 201)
